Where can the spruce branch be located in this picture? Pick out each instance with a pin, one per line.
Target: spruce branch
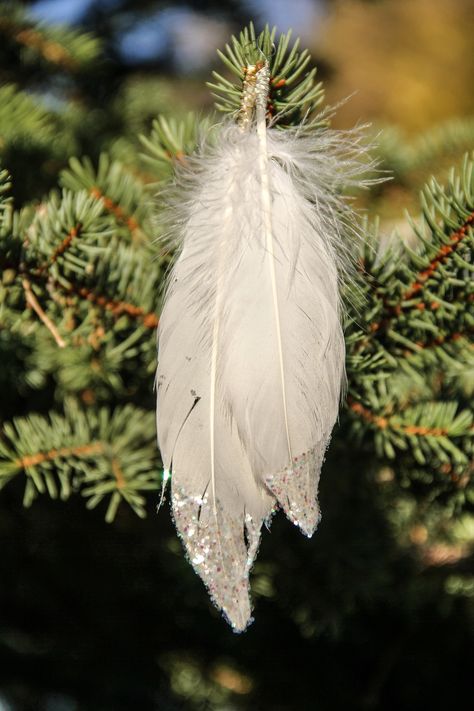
(65, 235)
(121, 195)
(171, 140)
(410, 347)
(106, 457)
(433, 150)
(23, 122)
(418, 295)
(79, 304)
(294, 93)
(91, 297)
(59, 48)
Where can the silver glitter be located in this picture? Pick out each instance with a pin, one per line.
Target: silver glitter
(215, 543)
(296, 489)
(262, 87)
(255, 88)
(247, 100)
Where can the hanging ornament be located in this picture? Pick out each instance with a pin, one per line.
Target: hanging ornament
(251, 347)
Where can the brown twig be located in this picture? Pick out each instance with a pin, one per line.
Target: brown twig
(61, 248)
(32, 460)
(116, 210)
(34, 304)
(117, 472)
(386, 422)
(439, 258)
(441, 340)
(83, 450)
(66, 243)
(117, 308)
(417, 285)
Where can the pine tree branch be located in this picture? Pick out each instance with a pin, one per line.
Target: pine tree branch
(407, 349)
(116, 210)
(109, 456)
(83, 450)
(73, 233)
(170, 141)
(114, 307)
(22, 120)
(294, 94)
(417, 286)
(119, 193)
(60, 48)
(434, 151)
(416, 296)
(441, 256)
(51, 51)
(386, 422)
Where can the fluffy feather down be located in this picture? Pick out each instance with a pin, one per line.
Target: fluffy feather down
(251, 349)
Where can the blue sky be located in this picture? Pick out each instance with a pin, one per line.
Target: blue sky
(180, 32)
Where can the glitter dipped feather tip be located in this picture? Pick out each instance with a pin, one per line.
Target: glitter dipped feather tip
(251, 348)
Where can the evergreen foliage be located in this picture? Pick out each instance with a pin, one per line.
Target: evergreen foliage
(31, 46)
(294, 92)
(84, 278)
(82, 275)
(103, 455)
(413, 340)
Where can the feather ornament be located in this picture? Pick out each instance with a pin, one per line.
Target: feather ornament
(251, 347)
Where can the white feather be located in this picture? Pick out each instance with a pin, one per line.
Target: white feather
(251, 349)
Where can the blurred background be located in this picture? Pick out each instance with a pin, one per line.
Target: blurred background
(376, 611)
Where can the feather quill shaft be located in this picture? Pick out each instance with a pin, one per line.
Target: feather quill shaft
(261, 92)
